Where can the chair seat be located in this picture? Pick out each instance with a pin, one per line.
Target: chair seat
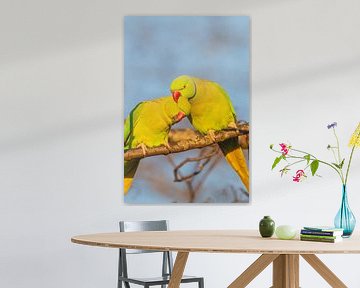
(158, 280)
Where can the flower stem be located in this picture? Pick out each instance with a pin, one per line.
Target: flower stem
(320, 161)
(296, 162)
(333, 152)
(296, 150)
(339, 156)
(348, 168)
(313, 158)
(351, 155)
(337, 146)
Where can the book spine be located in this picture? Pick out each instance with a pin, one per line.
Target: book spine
(318, 239)
(319, 236)
(320, 233)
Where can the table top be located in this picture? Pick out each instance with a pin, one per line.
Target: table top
(216, 241)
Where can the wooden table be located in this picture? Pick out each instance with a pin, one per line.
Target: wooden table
(284, 254)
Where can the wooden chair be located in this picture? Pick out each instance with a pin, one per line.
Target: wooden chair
(167, 262)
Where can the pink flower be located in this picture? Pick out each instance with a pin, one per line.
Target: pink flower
(300, 174)
(284, 148)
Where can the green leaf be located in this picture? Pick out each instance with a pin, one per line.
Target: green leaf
(336, 165)
(314, 166)
(271, 146)
(307, 157)
(342, 163)
(276, 161)
(339, 166)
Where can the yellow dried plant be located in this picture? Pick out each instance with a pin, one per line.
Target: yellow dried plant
(355, 137)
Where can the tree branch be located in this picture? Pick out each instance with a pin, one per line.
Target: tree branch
(201, 164)
(181, 140)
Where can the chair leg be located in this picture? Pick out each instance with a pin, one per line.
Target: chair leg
(126, 284)
(201, 283)
(120, 273)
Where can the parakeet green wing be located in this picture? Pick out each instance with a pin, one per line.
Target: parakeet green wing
(211, 110)
(148, 125)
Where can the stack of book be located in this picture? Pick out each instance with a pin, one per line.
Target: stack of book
(321, 234)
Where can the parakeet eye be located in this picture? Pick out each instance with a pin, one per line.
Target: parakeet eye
(184, 86)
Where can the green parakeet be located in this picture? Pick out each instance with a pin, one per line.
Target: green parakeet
(210, 110)
(148, 125)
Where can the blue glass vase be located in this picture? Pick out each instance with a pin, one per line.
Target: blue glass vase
(345, 219)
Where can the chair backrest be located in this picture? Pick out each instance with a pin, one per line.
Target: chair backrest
(133, 226)
(137, 226)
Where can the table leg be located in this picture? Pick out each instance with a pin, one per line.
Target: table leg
(253, 270)
(286, 271)
(324, 271)
(178, 269)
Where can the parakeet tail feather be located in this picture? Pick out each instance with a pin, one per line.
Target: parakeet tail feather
(130, 168)
(235, 157)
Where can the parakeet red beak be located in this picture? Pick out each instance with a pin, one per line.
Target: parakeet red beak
(176, 95)
(180, 116)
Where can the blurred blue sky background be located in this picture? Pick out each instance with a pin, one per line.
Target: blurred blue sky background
(160, 48)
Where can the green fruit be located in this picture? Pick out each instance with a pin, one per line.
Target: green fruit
(285, 232)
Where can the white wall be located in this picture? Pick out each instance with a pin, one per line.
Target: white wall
(60, 150)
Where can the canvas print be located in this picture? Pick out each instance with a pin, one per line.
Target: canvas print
(186, 109)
